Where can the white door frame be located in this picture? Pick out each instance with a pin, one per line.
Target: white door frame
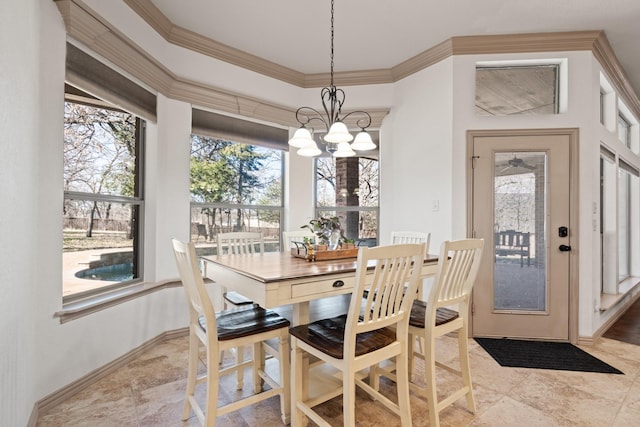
(573, 135)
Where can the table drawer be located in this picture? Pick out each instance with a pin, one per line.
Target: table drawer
(341, 285)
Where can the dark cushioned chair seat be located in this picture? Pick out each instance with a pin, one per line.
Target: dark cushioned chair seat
(327, 335)
(240, 323)
(443, 315)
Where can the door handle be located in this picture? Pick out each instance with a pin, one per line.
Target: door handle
(564, 248)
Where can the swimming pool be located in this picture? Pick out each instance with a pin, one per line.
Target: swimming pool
(111, 273)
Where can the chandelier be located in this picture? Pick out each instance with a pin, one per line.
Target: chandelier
(337, 139)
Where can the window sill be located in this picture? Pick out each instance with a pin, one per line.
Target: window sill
(608, 301)
(77, 309)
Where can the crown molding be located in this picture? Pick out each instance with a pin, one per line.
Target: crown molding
(603, 52)
(526, 42)
(429, 57)
(349, 78)
(193, 41)
(87, 27)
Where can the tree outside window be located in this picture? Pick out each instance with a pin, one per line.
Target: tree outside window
(102, 198)
(348, 188)
(234, 187)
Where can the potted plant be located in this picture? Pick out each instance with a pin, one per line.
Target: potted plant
(348, 243)
(327, 229)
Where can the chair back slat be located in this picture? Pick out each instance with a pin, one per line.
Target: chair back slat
(391, 289)
(458, 267)
(193, 284)
(400, 237)
(295, 236)
(240, 243)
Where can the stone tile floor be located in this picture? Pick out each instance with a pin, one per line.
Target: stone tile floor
(149, 391)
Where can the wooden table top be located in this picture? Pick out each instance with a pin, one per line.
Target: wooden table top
(280, 266)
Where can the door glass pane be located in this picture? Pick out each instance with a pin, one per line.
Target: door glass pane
(520, 214)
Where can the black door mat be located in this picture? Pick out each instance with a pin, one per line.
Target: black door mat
(543, 355)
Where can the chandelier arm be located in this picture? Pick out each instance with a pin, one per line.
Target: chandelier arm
(306, 119)
(339, 99)
(327, 95)
(359, 122)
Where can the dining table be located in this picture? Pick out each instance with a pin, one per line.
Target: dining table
(275, 279)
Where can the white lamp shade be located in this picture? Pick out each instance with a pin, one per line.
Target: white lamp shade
(363, 142)
(301, 138)
(310, 149)
(344, 150)
(338, 133)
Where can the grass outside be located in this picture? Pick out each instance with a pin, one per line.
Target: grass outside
(74, 240)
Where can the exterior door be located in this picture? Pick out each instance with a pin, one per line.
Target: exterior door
(520, 206)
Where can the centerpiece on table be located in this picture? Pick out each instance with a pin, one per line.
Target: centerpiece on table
(328, 235)
(328, 230)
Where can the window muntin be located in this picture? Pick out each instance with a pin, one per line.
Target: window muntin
(234, 187)
(348, 188)
(102, 199)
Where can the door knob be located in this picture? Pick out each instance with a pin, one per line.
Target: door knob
(564, 248)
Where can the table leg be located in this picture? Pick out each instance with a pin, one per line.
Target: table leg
(300, 313)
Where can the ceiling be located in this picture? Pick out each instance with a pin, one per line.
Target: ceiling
(379, 34)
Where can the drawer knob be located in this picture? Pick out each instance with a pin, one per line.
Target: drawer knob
(338, 284)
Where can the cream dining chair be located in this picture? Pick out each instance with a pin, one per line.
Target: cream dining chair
(229, 329)
(410, 237)
(458, 264)
(239, 243)
(295, 236)
(373, 330)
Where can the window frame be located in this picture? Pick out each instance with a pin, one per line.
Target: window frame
(624, 124)
(323, 210)
(242, 206)
(558, 66)
(136, 201)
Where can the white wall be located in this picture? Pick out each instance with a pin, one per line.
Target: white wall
(299, 197)
(167, 197)
(415, 156)
(19, 231)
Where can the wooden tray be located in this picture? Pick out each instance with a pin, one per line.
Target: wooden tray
(301, 252)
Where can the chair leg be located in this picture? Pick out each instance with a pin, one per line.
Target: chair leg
(213, 385)
(240, 372)
(374, 377)
(258, 366)
(285, 378)
(192, 372)
(402, 386)
(410, 350)
(430, 381)
(297, 395)
(349, 398)
(465, 370)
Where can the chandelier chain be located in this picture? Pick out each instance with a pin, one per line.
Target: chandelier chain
(332, 43)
